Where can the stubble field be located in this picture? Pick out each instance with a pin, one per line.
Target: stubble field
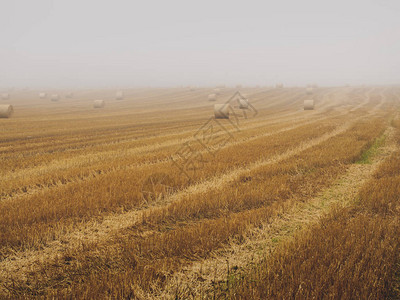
(151, 197)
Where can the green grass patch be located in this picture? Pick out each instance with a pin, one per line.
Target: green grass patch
(368, 154)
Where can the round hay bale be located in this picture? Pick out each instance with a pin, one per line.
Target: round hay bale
(238, 86)
(6, 110)
(5, 96)
(243, 103)
(308, 104)
(99, 103)
(212, 97)
(54, 97)
(221, 111)
(217, 91)
(279, 85)
(119, 95)
(42, 95)
(69, 95)
(309, 91)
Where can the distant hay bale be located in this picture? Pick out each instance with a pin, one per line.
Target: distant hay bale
(238, 86)
(243, 103)
(217, 91)
(99, 103)
(308, 104)
(5, 96)
(309, 91)
(221, 111)
(119, 95)
(212, 97)
(42, 95)
(6, 110)
(69, 95)
(54, 97)
(279, 85)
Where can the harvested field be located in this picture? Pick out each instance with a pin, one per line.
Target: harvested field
(153, 197)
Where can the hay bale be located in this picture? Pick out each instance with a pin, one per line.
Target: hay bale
(279, 85)
(99, 103)
(5, 96)
(119, 95)
(54, 97)
(217, 91)
(308, 104)
(69, 95)
(309, 91)
(238, 86)
(243, 103)
(221, 111)
(42, 95)
(6, 110)
(212, 97)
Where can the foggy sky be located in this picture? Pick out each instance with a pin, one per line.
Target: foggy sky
(97, 43)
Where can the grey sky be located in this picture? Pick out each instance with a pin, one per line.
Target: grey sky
(89, 43)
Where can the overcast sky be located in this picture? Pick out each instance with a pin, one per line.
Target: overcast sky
(99, 43)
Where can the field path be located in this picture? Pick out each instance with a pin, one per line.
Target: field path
(197, 280)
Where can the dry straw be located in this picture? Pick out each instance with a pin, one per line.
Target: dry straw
(69, 95)
(212, 97)
(309, 91)
(308, 104)
(42, 95)
(5, 96)
(98, 103)
(221, 111)
(279, 85)
(6, 110)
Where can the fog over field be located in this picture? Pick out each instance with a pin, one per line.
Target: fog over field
(168, 43)
(199, 149)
